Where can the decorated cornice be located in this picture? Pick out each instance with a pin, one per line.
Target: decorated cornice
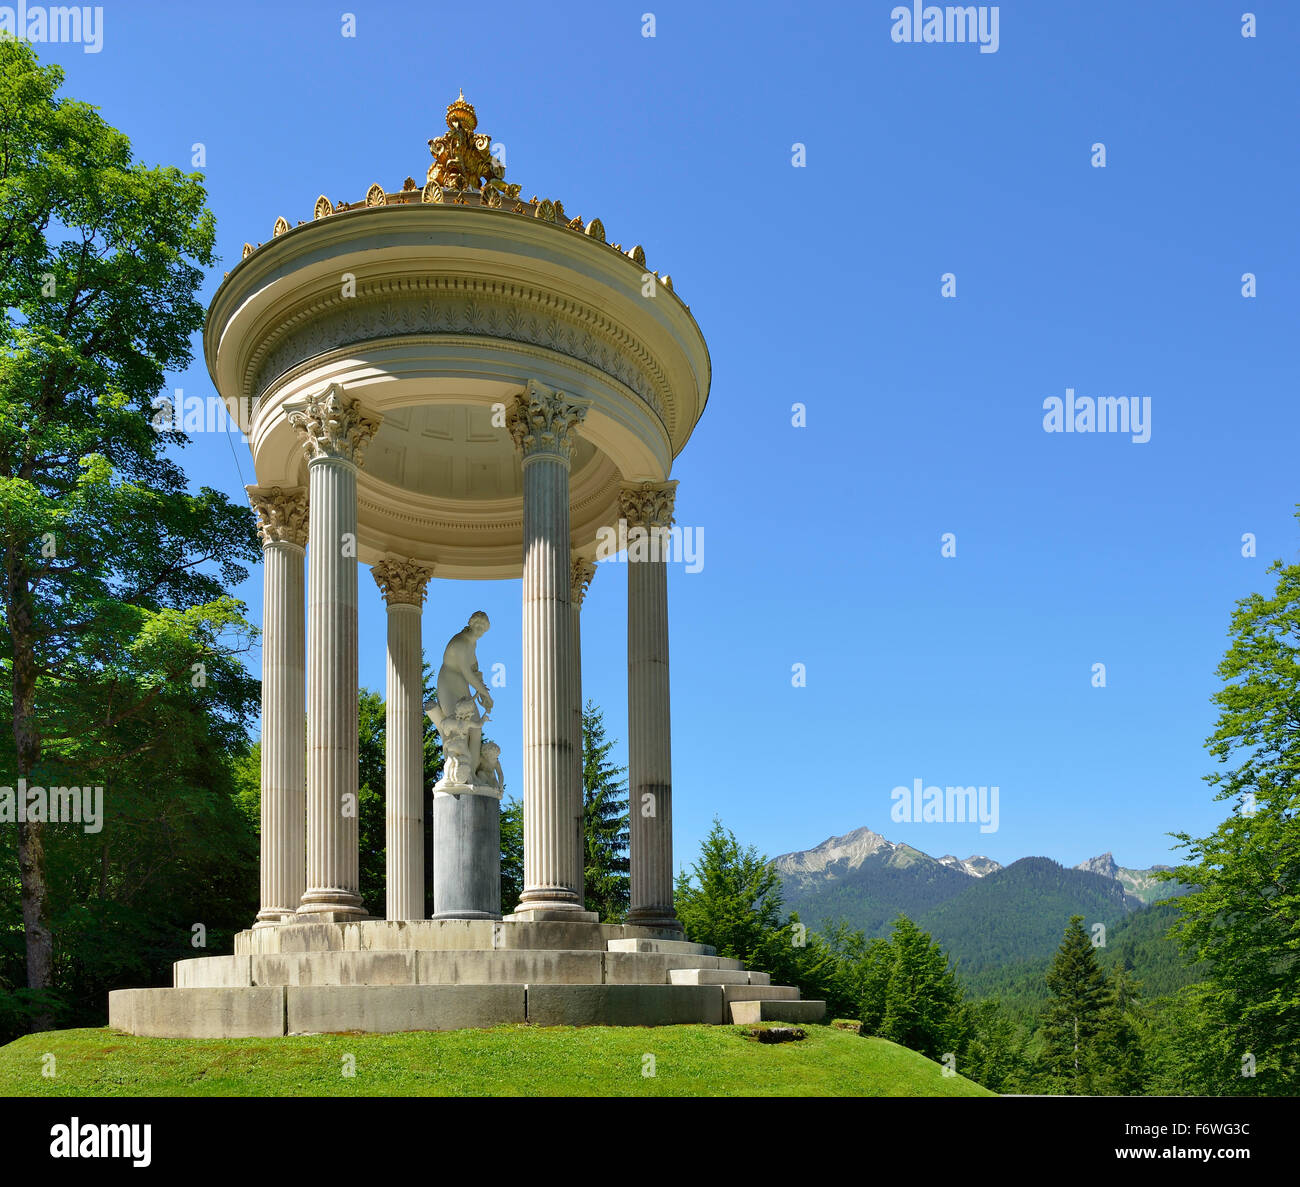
(544, 421)
(331, 424)
(421, 306)
(281, 514)
(648, 504)
(583, 572)
(403, 582)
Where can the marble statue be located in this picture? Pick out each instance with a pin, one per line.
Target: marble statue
(467, 762)
(489, 773)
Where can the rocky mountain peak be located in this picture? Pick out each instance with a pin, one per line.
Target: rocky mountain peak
(1104, 865)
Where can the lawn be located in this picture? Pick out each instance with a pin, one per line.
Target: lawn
(503, 1061)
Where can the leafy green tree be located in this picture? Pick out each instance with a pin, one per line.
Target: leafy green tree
(605, 821)
(1188, 1046)
(372, 809)
(1243, 916)
(512, 854)
(115, 574)
(993, 1048)
(1077, 1008)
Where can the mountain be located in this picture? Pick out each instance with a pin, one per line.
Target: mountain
(1018, 913)
(865, 880)
(1141, 884)
(976, 866)
(1000, 925)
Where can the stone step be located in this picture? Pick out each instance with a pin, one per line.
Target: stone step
(468, 966)
(749, 1012)
(684, 947)
(718, 977)
(439, 935)
(744, 993)
(256, 1011)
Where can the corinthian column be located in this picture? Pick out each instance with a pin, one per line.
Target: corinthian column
(648, 509)
(403, 584)
(334, 432)
(583, 571)
(282, 524)
(543, 423)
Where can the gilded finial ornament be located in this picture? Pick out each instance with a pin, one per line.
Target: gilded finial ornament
(462, 156)
(375, 195)
(324, 207)
(281, 225)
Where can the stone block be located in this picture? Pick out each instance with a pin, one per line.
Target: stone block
(648, 968)
(570, 936)
(624, 1005)
(697, 976)
(545, 915)
(217, 972)
(303, 937)
(422, 934)
(676, 947)
(749, 1012)
(198, 1013)
(386, 1009)
(515, 966)
(335, 968)
(741, 993)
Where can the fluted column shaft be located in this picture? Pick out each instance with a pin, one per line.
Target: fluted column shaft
(282, 522)
(543, 423)
(334, 432)
(403, 584)
(583, 571)
(648, 507)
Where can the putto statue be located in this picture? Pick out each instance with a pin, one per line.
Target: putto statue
(468, 764)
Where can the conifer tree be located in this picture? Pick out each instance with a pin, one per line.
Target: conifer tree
(922, 997)
(605, 821)
(1077, 1009)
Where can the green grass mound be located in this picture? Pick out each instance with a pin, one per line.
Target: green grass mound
(503, 1061)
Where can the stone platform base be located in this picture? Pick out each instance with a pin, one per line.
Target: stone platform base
(379, 977)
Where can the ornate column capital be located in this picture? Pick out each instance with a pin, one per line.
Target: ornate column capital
(648, 504)
(331, 424)
(543, 421)
(403, 582)
(583, 572)
(281, 514)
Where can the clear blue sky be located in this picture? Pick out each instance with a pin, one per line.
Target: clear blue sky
(822, 285)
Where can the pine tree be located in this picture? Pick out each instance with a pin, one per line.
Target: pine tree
(1119, 1057)
(731, 899)
(1076, 1011)
(922, 997)
(605, 821)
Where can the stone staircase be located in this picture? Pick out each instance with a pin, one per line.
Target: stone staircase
(378, 976)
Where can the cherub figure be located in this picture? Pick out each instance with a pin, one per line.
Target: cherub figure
(456, 731)
(489, 768)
